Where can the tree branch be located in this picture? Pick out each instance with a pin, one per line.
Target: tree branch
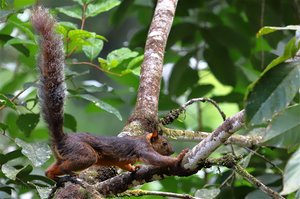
(188, 135)
(151, 73)
(192, 162)
(201, 151)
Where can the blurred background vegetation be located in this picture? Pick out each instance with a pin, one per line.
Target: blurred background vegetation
(212, 51)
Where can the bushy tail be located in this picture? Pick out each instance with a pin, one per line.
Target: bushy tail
(51, 65)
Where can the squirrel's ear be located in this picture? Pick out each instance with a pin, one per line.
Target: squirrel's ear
(152, 136)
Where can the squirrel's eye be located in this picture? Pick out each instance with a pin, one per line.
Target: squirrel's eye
(165, 144)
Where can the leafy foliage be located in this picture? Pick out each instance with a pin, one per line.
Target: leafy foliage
(216, 49)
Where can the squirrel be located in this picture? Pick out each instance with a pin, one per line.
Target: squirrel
(78, 151)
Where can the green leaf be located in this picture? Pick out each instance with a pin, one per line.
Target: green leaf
(182, 76)
(102, 62)
(23, 28)
(74, 11)
(289, 51)
(73, 34)
(200, 90)
(27, 122)
(272, 92)
(9, 171)
(38, 153)
(5, 101)
(93, 50)
(3, 126)
(23, 3)
(80, 38)
(102, 105)
(80, 2)
(291, 180)
(10, 156)
(19, 41)
(269, 29)
(207, 193)
(43, 191)
(223, 67)
(135, 62)
(20, 47)
(5, 188)
(71, 74)
(116, 57)
(24, 173)
(283, 130)
(70, 122)
(102, 6)
(68, 24)
(120, 14)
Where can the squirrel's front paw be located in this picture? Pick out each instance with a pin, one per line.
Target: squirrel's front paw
(182, 154)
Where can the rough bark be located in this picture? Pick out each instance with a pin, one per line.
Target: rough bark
(211, 143)
(151, 72)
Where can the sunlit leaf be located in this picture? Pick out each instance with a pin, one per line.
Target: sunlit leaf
(79, 38)
(9, 171)
(269, 29)
(67, 24)
(74, 11)
(38, 153)
(101, 6)
(207, 193)
(289, 51)
(91, 51)
(117, 56)
(135, 62)
(42, 191)
(291, 180)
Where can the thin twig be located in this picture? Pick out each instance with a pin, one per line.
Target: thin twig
(265, 159)
(140, 192)
(84, 6)
(240, 170)
(227, 179)
(15, 97)
(205, 99)
(174, 114)
(97, 67)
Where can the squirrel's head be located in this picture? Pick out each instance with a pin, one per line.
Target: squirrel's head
(160, 144)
